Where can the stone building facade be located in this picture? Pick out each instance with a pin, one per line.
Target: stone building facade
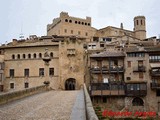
(121, 67)
(25, 68)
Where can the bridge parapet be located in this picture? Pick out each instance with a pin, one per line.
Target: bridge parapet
(15, 95)
(90, 113)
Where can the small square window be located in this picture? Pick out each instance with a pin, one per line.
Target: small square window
(41, 71)
(26, 85)
(65, 30)
(51, 71)
(11, 85)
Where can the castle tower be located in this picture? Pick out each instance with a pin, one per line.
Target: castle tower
(140, 27)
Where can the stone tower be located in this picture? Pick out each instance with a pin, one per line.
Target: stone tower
(71, 63)
(140, 27)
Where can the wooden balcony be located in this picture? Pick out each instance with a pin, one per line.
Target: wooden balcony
(107, 89)
(155, 72)
(136, 89)
(154, 85)
(111, 69)
(116, 69)
(140, 69)
(136, 93)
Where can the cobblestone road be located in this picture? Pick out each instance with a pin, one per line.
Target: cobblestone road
(52, 105)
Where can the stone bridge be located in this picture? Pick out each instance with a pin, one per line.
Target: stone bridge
(50, 105)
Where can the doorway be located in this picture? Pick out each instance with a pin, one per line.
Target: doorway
(70, 84)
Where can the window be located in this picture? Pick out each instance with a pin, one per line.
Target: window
(66, 20)
(11, 72)
(34, 55)
(86, 34)
(76, 22)
(79, 22)
(141, 75)
(136, 55)
(154, 58)
(1, 76)
(26, 85)
(40, 55)
(65, 30)
(141, 22)
(129, 63)
(24, 56)
(26, 72)
(85, 23)
(41, 71)
(82, 23)
(158, 106)
(128, 78)
(89, 24)
(101, 45)
(51, 71)
(104, 99)
(29, 56)
(71, 31)
(157, 92)
(70, 21)
(137, 102)
(13, 56)
(79, 32)
(11, 85)
(51, 54)
(18, 56)
(137, 22)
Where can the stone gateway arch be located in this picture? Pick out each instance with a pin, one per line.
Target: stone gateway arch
(70, 84)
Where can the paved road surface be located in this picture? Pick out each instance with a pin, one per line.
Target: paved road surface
(52, 105)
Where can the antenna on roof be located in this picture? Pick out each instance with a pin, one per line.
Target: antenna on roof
(21, 36)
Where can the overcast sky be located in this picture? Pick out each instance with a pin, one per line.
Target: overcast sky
(32, 16)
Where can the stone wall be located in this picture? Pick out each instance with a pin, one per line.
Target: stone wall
(11, 96)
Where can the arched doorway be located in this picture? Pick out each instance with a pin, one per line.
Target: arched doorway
(137, 102)
(70, 84)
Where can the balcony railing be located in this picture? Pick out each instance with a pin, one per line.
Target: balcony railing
(155, 73)
(111, 69)
(107, 89)
(136, 89)
(139, 69)
(136, 93)
(154, 85)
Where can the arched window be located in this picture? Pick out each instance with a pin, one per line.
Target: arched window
(70, 21)
(141, 22)
(76, 22)
(137, 22)
(85, 23)
(82, 23)
(29, 56)
(13, 56)
(40, 55)
(34, 55)
(18, 56)
(79, 22)
(51, 54)
(89, 24)
(24, 56)
(66, 20)
(137, 102)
